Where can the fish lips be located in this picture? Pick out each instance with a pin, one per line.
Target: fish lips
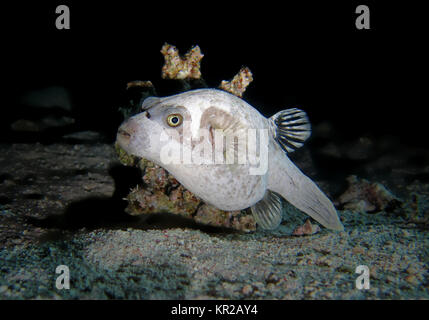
(126, 133)
(135, 135)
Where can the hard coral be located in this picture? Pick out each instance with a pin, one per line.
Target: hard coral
(139, 83)
(161, 192)
(176, 67)
(239, 83)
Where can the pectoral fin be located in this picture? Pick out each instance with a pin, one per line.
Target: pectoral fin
(290, 128)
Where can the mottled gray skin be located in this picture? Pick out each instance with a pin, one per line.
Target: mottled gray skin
(225, 186)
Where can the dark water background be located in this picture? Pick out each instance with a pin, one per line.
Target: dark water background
(368, 86)
(305, 55)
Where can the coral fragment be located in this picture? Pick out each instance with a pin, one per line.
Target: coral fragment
(306, 229)
(161, 192)
(139, 83)
(364, 196)
(239, 83)
(177, 67)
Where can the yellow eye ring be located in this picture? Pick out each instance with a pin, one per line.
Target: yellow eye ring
(174, 119)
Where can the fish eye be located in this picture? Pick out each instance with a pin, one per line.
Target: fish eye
(174, 119)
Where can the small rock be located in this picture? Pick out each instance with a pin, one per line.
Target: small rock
(364, 196)
(247, 289)
(358, 250)
(412, 270)
(306, 229)
(412, 279)
(391, 279)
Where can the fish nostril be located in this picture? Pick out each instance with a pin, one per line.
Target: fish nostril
(147, 114)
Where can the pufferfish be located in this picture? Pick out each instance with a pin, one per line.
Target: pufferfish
(179, 121)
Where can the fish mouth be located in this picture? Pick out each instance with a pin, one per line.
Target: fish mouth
(123, 137)
(124, 133)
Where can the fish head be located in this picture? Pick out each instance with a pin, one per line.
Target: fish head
(160, 121)
(190, 127)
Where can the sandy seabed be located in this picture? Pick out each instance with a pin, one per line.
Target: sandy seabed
(61, 204)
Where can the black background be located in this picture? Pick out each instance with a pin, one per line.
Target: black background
(303, 54)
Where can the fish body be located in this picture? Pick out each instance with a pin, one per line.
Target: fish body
(224, 151)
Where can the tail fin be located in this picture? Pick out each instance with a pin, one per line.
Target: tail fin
(299, 190)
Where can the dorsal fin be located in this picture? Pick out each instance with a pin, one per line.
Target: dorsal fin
(290, 128)
(268, 212)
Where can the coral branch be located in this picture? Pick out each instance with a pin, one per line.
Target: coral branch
(176, 67)
(140, 83)
(239, 83)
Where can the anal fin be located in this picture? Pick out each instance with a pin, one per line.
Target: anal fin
(268, 212)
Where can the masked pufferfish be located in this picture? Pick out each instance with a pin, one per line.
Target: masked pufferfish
(230, 186)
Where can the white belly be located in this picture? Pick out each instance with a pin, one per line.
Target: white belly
(227, 187)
